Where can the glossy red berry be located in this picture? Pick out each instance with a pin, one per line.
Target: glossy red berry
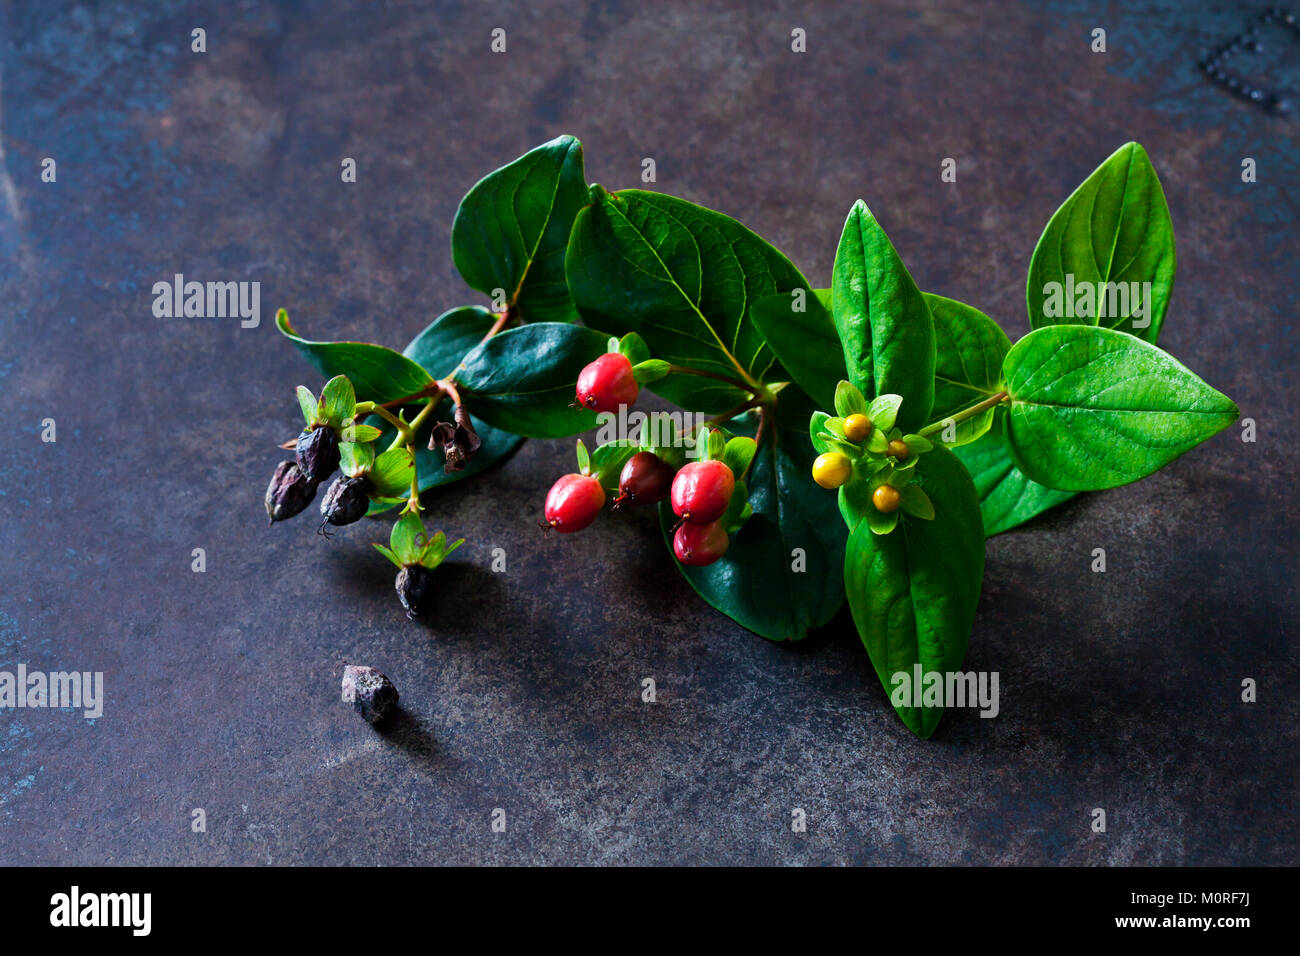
(646, 480)
(573, 503)
(702, 490)
(607, 383)
(699, 544)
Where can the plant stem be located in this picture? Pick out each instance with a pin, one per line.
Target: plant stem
(370, 408)
(964, 414)
(413, 426)
(735, 382)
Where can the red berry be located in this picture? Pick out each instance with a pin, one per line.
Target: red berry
(699, 544)
(702, 490)
(607, 383)
(573, 503)
(646, 480)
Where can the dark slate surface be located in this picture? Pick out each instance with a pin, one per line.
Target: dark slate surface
(1119, 690)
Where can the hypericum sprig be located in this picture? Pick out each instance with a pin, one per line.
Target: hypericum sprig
(416, 555)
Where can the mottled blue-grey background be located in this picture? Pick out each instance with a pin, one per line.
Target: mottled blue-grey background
(1119, 690)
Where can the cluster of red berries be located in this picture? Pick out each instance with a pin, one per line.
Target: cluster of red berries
(700, 491)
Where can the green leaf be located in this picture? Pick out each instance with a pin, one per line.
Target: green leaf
(512, 229)
(392, 472)
(683, 277)
(307, 402)
(1007, 497)
(913, 593)
(338, 402)
(359, 433)
(854, 501)
(805, 342)
(388, 553)
(523, 379)
(816, 425)
(969, 349)
(437, 550)
(754, 583)
(377, 374)
(738, 453)
(1115, 228)
(584, 459)
(607, 461)
(883, 412)
(1093, 409)
(651, 370)
(407, 538)
(355, 459)
(882, 522)
(633, 348)
(849, 400)
(882, 318)
(916, 502)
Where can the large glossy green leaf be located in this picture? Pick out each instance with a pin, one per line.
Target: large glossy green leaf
(882, 318)
(755, 583)
(805, 342)
(523, 379)
(683, 277)
(1115, 228)
(512, 229)
(1092, 408)
(913, 592)
(377, 374)
(969, 349)
(1007, 497)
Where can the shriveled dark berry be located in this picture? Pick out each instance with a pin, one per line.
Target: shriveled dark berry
(415, 590)
(289, 492)
(370, 693)
(346, 501)
(318, 452)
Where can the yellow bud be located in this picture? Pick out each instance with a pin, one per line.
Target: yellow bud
(832, 469)
(857, 428)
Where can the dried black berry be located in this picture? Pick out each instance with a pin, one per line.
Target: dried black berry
(371, 694)
(318, 452)
(458, 442)
(346, 501)
(289, 491)
(415, 590)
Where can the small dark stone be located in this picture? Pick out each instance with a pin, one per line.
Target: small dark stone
(415, 590)
(370, 693)
(289, 492)
(346, 501)
(318, 452)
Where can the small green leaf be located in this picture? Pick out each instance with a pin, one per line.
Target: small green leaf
(805, 342)
(855, 502)
(913, 593)
(407, 538)
(377, 374)
(512, 229)
(683, 277)
(881, 522)
(816, 425)
(359, 433)
(916, 502)
(522, 380)
(355, 459)
(387, 552)
(1113, 233)
(738, 453)
(1092, 408)
(608, 459)
(883, 412)
(307, 402)
(883, 321)
(392, 472)
(849, 400)
(633, 348)
(878, 441)
(918, 444)
(584, 459)
(338, 402)
(651, 370)
(434, 555)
